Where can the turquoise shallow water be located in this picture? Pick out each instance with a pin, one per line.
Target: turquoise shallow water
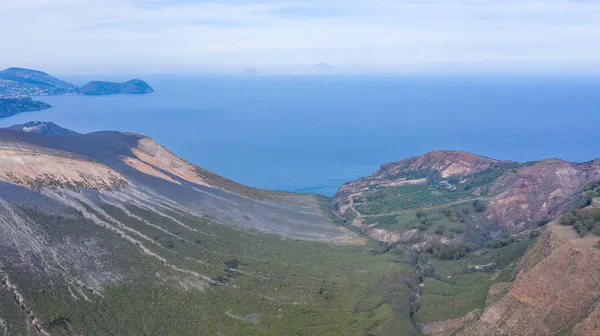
(311, 134)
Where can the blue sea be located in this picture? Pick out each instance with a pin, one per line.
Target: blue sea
(311, 134)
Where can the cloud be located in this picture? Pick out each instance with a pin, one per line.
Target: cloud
(285, 35)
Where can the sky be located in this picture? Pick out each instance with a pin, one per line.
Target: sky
(360, 36)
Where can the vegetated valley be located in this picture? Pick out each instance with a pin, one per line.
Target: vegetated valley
(109, 233)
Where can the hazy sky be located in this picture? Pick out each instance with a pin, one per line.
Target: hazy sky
(162, 36)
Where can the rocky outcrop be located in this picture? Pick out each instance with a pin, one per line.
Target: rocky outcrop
(557, 284)
(589, 326)
(447, 163)
(539, 190)
(450, 326)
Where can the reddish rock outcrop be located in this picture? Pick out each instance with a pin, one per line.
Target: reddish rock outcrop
(544, 189)
(557, 284)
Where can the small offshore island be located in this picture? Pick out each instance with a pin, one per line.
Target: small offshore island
(97, 88)
(18, 84)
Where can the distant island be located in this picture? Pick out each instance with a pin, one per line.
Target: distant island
(12, 106)
(134, 86)
(253, 72)
(17, 84)
(25, 82)
(322, 69)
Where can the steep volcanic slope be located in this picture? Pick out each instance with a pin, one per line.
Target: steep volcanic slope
(538, 190)
(109, 233)
(139, 165)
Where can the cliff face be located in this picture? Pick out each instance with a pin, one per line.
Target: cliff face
(538, 190)
(555, 290)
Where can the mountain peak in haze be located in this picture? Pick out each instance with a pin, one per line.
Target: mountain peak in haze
(253, 72)
(322, 69)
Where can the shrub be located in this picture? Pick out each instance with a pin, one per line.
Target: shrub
(446, 252)
(582, 221)
(544, 221)
(324, 294)
(501, 242)
(459, 229)
(480, 206)
(568, 219)
(447, 212)
(596, 230)
(232, 263)
(439, 230)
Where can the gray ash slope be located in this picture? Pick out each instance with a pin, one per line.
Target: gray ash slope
(199, 191)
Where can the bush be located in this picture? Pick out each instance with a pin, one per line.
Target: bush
(596, 230)
(568, 219)
(544, 221)
(459, 229)
(439, 230)
(582, 221)
(480, 206)
(446, 252)
(501, 242)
